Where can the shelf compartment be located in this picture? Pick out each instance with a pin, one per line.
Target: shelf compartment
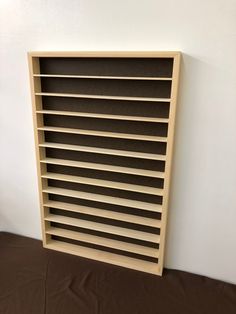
(104, 134)
(104, 183)
(117, 177)
(119, 245)
(98, 150)
(114, 143)
(135, 234)
(103, 167)
(109, 66)
(131, 128)
(129, 88)
(103, 116)
(104, 199)
(143, 198)
(102, 256)
(107, 107)
(140, 220)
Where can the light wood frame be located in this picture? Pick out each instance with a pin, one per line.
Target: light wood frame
(48, 231)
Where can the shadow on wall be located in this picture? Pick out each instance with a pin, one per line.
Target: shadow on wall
(202, 106)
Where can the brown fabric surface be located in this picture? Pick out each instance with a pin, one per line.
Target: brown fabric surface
(34, 280)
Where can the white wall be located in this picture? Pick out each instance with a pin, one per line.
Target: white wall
(202, 220)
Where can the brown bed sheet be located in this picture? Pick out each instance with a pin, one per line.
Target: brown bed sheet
(34, 280)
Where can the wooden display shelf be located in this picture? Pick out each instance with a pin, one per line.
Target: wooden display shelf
(104, 130)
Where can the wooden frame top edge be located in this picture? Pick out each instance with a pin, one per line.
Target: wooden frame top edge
(127, 54)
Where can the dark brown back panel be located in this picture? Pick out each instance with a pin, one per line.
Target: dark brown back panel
(138, 163)
(106, 249)
(106, 206)
(130, 88)
(106, 235)
(107, 106)
(106, 175)
(107, 125)
(143, 197)
(103, 142)
(146, 67)
(103, 220)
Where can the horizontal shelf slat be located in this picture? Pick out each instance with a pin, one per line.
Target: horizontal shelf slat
(103, 183)
(106, 54)
(151, 99)
(130, 233)
(102, 256)
(103, 116)
(105, 151)
(104, 134)
(105, 199)
(104, 213)
(88, 238)
(103, 167)
(105, 77)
